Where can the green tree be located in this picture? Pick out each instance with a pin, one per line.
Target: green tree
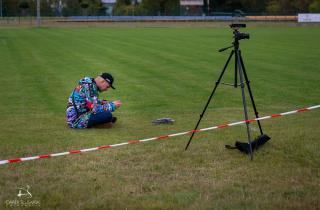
(288, 6)
(274, 6)
(253, 6)
(315, 6)
(24, 5)
(169, 7)
(123, 7)
(27, 7)
(160, 7)
(301, 5)
(72, 7)
(10, 7)
(225, 6)
(150, 7)
(45, 8)
(90, 7)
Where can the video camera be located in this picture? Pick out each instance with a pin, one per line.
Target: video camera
(237, 35)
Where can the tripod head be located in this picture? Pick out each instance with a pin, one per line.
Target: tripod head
(237, 35)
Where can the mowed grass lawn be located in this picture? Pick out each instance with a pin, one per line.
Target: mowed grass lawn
(160, 72)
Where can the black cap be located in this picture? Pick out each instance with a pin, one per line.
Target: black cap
(108, 77)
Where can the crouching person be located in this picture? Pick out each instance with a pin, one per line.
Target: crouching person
(85, 109)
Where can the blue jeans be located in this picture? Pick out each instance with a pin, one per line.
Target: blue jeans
(99, 118)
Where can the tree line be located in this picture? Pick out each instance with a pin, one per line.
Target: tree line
(211, 7)
(268, 6)
(52, 7)
(156, 7)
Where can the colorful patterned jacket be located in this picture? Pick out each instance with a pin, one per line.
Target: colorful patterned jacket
(83, 102)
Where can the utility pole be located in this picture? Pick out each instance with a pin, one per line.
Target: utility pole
(1, 15)
(38, 14)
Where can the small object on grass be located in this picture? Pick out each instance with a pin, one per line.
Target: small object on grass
(165, 120)
(245, 147)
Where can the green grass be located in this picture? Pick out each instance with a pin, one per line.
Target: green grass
(160, 72)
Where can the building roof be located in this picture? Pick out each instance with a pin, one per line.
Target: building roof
(191, 2)
(109, 1)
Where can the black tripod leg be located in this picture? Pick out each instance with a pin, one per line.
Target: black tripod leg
(236, 70)
(244, 102)
(250, 92)
(208, 102)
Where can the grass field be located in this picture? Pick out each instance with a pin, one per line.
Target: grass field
(160, 72)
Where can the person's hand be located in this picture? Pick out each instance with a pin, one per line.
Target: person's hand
(117, 103)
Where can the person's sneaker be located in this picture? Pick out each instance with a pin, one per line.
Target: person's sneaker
(114, 119)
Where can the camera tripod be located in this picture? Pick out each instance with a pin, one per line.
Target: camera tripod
(239, 69)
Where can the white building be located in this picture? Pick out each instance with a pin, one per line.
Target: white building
(191, 7)
(191, 2)
(109, 4)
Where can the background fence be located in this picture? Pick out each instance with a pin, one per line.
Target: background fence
(25, 11)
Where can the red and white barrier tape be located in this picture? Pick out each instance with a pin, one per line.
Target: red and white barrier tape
(16, 160)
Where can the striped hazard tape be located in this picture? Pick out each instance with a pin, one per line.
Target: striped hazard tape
(16, 160)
